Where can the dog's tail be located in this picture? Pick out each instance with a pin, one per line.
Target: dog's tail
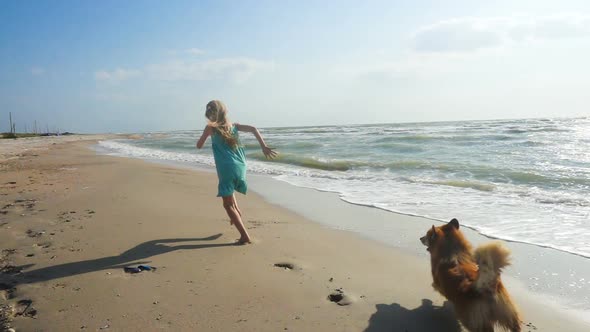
(491, 258)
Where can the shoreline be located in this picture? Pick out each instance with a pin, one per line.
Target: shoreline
(199, 284)
(206, 165)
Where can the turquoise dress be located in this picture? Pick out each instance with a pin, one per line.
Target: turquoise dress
(230, 164)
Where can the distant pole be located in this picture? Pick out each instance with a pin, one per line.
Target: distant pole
(11, 127)
(35, 126)
(25, 128)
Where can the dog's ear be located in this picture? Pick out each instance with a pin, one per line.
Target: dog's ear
(432, 234)
(455, 223)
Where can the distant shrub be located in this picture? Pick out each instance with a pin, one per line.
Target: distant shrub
(17, 135)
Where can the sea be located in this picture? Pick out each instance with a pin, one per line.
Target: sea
(525, 180)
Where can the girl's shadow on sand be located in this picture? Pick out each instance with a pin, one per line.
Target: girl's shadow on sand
(425, 318)
(129, 257)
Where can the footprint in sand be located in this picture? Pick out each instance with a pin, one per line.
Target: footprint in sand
(286, 266)
(25, 308)
(19, 206)
(259, 223)
(339, 297)
(69, 216)
(43, 245)
(32, 233)
(255, 224)
(89, 213)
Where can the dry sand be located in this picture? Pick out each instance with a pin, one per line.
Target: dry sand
(13, 148)
(71, 220)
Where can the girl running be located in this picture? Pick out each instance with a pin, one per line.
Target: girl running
(230, 160)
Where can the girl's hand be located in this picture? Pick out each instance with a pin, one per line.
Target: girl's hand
(268, 152)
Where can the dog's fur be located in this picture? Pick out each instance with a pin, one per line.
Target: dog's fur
(471, 279)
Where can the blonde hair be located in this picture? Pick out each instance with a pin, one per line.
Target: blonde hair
(216, 113)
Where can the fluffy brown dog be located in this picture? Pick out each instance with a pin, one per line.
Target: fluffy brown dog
(471, 279)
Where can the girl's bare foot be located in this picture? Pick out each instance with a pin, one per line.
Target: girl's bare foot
(243, 241)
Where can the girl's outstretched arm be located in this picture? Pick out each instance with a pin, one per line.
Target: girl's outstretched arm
(206, 133)
(268, 152)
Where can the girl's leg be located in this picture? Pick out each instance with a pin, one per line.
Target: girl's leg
(237, 207)
(229, 203)
(231, 222)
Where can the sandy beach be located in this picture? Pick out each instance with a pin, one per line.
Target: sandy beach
(71, 220)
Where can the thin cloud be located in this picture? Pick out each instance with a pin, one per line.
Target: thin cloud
(194, 51)
(236, 69)
(469, 34)
(116, 75)
(189, 51)
(409, 66)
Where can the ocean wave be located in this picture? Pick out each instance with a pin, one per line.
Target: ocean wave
(346, 165)
(536, 130)
(327, 130)
(464, 184)
(334, 165)
(296, 145)
(531, 143)
(418, 138)
(410, 164)
(533, 178)
(564, 201)
(515, 131)
(450, 138)
(549, 130)
(120, 148)
(399, 147)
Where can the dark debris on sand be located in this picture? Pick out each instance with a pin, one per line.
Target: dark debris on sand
(6, 291)
(5, 266)
(23, 307)
(5, 311)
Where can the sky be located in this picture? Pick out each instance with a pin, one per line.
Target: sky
(137, 66)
